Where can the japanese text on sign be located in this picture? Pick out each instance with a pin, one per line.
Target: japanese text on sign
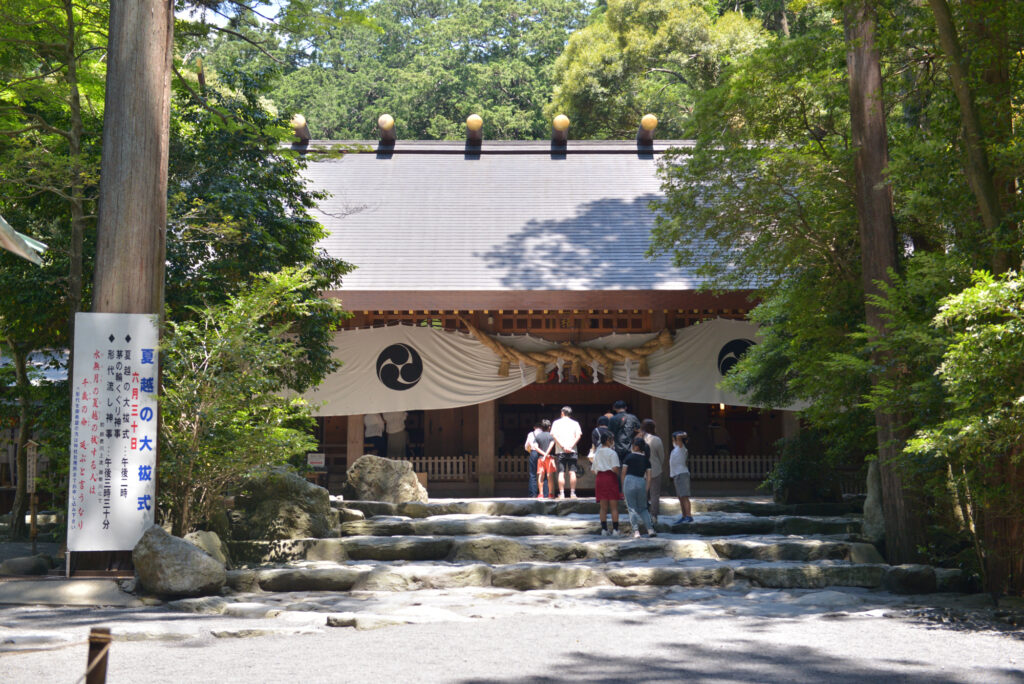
(113, 431)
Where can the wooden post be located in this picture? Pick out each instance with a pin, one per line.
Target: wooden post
(487, 460)
(99, 647)
(354, 440)
(790, 424)
(660, 416)
(32, 463)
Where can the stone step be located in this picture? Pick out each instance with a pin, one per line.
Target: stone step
(503, 549)
(562, 507)
(380, 576)
(711, 524)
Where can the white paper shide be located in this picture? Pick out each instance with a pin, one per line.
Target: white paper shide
(112, 488)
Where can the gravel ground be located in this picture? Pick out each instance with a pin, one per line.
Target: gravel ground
(742, 634)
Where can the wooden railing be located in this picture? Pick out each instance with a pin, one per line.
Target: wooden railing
(446, 468)
(511, 467)
(752, 467)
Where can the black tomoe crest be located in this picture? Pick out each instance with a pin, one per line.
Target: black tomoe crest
(731, 353)
(399, 367)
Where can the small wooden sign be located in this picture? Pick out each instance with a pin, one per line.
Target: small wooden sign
(31, 461)
(316, 460)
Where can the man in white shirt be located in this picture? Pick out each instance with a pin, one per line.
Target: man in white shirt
(373, 432)
(567, 433)
(397, 438)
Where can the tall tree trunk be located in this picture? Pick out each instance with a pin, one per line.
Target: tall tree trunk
(77, 202)
(979, 173)
(784, 20)
(20, 356)
(1001, 531)
(1001, 528)
(873, 199)
(132, 221)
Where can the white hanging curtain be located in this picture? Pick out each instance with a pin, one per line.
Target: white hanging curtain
(405, 368)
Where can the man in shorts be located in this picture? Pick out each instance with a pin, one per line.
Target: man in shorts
(567, 433)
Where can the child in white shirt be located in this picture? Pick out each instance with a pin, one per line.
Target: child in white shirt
(606, 486)
(680, 475)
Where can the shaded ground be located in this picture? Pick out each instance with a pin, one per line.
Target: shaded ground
(597, 635)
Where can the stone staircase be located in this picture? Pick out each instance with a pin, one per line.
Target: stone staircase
(529, 544)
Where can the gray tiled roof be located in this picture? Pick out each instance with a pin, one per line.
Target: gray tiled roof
(429, 217)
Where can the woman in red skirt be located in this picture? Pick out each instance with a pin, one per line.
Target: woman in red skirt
(606, 489)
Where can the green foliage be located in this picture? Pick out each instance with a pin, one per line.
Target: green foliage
(429, 64)
(804, 473)
(913, 345)
(227, 404)
(807, 358)
(766, 190)
(763, 201)
(646, 56)
(979, 441)
(238, 206)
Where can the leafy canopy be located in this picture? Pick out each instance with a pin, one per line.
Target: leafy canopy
(227, 408)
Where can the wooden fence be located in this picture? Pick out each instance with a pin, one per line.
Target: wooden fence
(752, 467)
(446, 468)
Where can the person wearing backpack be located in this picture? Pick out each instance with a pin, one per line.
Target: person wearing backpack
(624, 426)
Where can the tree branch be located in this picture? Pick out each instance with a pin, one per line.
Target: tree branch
(199, 98)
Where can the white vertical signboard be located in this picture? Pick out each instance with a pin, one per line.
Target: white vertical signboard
(112, 488)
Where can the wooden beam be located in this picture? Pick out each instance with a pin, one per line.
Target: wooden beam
(547, 301)
(487, 459)
(354, 440)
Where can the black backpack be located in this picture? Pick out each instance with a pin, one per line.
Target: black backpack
(624, 426)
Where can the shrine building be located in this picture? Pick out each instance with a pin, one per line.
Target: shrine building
(497, 281)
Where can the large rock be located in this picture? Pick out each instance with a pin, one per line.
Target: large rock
(783, 549)
(398, 548)
(910, 579)
(339, 578)
(788, 575)
(282, 505)
(284, 550)
(372, 478)
(211, 544)
(526, 576)
(672, 575)
(416, 577)
(26, 565)
(498, 550)
(170, 566)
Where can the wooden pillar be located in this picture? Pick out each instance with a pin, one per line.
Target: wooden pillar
(354, 440)
(660, 416)
(790, 424)
(487, 459)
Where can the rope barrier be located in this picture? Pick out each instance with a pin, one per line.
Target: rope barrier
(571, 354)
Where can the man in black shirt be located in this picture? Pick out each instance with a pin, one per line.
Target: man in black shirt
(624, 426)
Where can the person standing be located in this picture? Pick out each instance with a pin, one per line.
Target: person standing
(532, 456)
(567, 433)
(397, 438)
(657, 456)
(544, 444)
(597, 435)
(625, 426)
(680, 475)
(635, 483)
(606, 484)
(373, 432)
